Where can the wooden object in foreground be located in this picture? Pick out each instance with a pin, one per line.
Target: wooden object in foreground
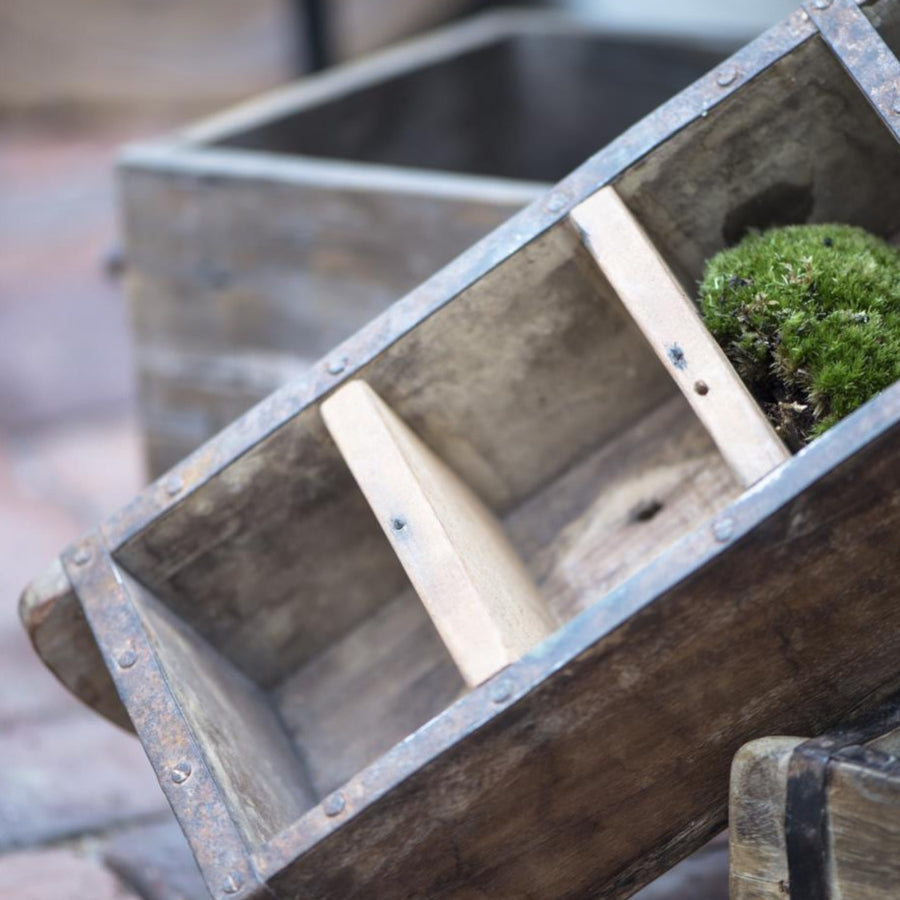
(475, 588)
(250, 619)
(669, 321)
(818, 819)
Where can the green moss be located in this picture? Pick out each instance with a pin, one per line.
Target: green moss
(809, 315)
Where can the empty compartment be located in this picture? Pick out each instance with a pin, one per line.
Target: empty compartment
(538, 391)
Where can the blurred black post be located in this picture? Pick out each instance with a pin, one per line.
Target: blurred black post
(310, 22)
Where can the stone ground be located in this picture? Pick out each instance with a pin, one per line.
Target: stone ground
(81, 814)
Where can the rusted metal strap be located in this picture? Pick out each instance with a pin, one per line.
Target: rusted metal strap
(806, 809)
(863, 53)
(167, 738)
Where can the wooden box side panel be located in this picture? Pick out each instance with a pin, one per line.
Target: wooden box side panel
(240, 279)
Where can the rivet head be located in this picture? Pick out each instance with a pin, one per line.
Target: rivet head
(727, 76)
(126, 658)
(556, 201)
(822, 4)
(82, 556)
(723, 529)
(701, 388)
(398, 523)
(336, 366)
(334, 804)
(233, 883)
(896, 107)
(181, 772)
(501, 691)
(174, 483)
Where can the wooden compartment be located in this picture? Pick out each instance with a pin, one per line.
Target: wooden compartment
(313, 734)
(258, 240)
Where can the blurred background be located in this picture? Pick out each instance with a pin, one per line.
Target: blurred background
(98, 391)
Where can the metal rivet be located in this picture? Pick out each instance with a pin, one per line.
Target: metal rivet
(701, 387)
(556, 202)
(127, 658)
(896, 107)
(726, 76)
(723, 529)
(822, 4)
(398, 523)
(181, 772)
(501, 691)
(82, 556)
(334, 804)
(174, 484)
(336, 366)
(233, 883)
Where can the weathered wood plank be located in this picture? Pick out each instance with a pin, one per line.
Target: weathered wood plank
(669, 321)
(476, 590)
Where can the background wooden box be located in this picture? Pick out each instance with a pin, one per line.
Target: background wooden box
(258, 240)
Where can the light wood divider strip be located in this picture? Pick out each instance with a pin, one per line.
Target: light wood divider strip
(861, 50)
(476, 590)
(668, 319)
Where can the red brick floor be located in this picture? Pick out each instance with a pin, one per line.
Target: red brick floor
(71, 785)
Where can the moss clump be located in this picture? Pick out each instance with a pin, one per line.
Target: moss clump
(809, 315)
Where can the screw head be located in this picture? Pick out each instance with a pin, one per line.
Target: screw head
(723, 529)
(174, 483)
(727, 76)
(336, 366)
(181, 772)
(126, 658)
(82, 556)
(501, 691)
(232, 883)
(334, 804)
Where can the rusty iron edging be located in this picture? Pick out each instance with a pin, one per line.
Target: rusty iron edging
(167, 739)
(348, 359)
(487, 703)
(806, 806)
(862, 51)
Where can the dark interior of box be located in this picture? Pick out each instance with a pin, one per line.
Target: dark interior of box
(530, 107)
(541, 394)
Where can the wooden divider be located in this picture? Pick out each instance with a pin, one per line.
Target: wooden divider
(655, 300)
(476, 590)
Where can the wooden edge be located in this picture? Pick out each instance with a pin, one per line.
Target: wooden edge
(756, 803)
(60, 634)
(666, 316)
(861, 50)
(476, 590)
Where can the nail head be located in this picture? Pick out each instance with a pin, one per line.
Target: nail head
(82, 556)
(181, 772)
(334, 804)
(233, 883)
(726, 76)
(723, 529)
(501, 691)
